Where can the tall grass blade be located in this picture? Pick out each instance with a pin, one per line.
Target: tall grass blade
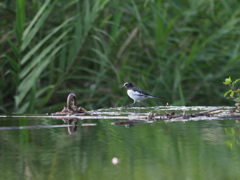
(41, 61)
(37, 23)
(20, 19)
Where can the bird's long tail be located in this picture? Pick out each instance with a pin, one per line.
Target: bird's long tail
(158, 97)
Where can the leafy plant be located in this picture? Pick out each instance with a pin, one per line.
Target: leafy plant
(234, 92)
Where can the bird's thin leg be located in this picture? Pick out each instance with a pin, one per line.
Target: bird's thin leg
(131, 104)
(140, 106)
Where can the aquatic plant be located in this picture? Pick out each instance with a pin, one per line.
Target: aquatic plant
(234, 92)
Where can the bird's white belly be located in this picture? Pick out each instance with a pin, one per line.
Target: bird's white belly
(136, 96)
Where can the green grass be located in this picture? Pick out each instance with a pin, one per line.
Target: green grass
(180, 50)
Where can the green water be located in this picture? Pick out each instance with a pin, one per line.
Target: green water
(174, 150)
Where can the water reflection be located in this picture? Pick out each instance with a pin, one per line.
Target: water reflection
(72, 125)
(233, 135)
(32, 127)
(181, 150)
(130, 123)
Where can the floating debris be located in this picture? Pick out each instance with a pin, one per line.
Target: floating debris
(89, 124)
(115, 160)
(32, 127)
(184, 115)
(71, 108)
(73, 111)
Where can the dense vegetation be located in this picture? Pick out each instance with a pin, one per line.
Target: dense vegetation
(181, 50)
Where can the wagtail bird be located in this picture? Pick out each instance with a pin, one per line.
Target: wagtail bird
(137, 94)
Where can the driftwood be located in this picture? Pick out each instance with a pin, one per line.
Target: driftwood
(202, 113)
(73, 111)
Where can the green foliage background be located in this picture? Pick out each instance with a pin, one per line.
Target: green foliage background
(180, 50)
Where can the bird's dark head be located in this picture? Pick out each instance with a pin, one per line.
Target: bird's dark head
(127, 85)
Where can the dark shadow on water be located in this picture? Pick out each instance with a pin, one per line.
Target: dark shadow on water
(130, 123)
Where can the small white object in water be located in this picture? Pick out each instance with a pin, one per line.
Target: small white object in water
(115, 160)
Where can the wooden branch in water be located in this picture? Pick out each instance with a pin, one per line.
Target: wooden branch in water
(203, 113)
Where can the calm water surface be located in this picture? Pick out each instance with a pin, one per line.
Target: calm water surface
(181, 150)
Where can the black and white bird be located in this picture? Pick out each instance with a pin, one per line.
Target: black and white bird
(137, 94)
